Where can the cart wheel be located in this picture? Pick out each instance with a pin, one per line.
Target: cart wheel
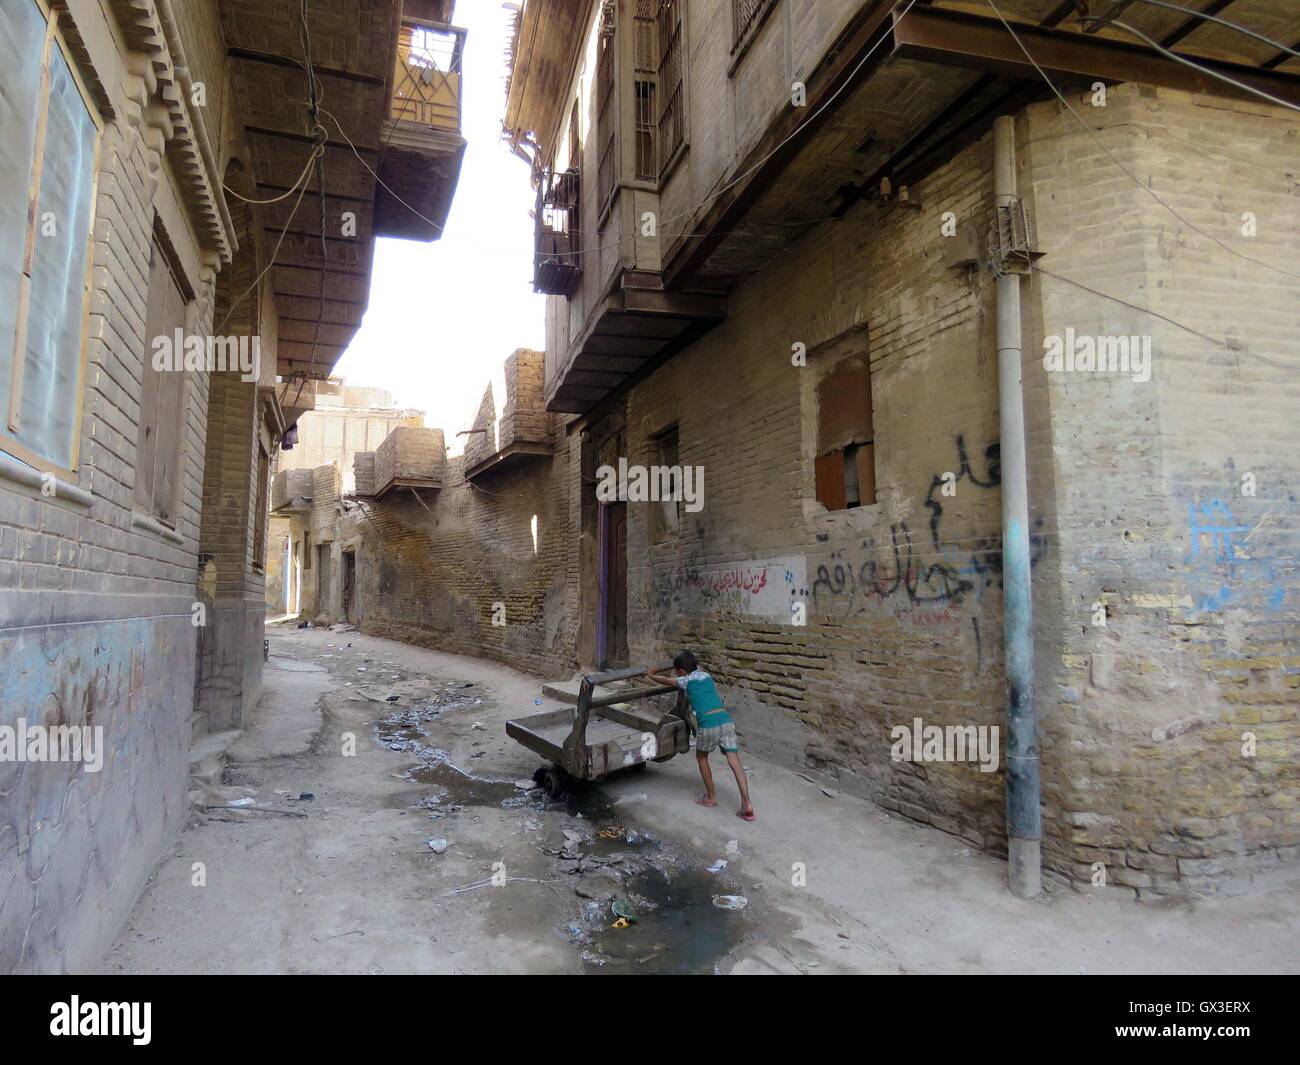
(554, 781)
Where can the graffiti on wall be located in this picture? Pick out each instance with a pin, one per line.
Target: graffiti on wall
(1228, 570)
(763, 588)
(934, 577)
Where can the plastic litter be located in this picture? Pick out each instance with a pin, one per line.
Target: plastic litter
(730, 902)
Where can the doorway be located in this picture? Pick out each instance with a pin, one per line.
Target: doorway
(611, 650)
(349, 586)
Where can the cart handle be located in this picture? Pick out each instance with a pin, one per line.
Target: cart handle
(576, 744)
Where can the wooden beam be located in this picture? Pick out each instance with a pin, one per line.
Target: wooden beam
(960, 39)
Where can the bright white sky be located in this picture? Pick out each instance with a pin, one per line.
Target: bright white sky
(444, 316)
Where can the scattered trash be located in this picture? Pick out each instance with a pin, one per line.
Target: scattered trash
(623, 911)
(305, 796)
(468, 684)
(572, 836)
(537, 702)
(479, 726)
(607, 833)
(438, 846)
(242, 802)
(525, 785)
(733, 846)
(624, 800)
(622, 922)
(718, 866)
(392, 698)
(830, 793)
(730, 902)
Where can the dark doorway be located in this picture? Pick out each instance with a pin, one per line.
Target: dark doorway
(349, 587)
(612, 651)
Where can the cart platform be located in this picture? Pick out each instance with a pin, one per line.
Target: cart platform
(604, 732)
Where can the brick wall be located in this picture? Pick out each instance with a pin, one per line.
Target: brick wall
(95, 603)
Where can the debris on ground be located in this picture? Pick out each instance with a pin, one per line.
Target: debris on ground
(730, 902)
(438, 846)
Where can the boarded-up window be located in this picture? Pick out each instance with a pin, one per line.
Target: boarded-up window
(667, 514)
(160, 450)
(50, 138)
(672, 119)
(846, 461)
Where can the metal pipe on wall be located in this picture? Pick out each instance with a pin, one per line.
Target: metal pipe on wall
(1024, 821)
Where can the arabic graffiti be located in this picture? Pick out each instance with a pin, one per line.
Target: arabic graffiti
(928, 576)
(763, 588)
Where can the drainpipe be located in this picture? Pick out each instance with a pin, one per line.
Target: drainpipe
(1024, 824)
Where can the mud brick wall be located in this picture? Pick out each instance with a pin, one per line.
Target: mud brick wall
(1135, 503)
(433, 577)
(409, 453)
(1145, 718)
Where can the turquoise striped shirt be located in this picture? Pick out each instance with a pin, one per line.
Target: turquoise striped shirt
(704, 698)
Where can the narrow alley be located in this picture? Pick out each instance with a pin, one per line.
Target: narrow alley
(649, 487)
(314, 861)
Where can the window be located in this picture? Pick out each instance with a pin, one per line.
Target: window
(164, 406)
(606, 110)
(667, 515)
(672, 119)
(846, 457)
(262, 505)
(51, 140)
(746, 17)
(646, 120)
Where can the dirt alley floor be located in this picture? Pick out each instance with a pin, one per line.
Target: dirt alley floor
(347, 880)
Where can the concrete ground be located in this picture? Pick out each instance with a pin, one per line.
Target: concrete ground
(266, 879)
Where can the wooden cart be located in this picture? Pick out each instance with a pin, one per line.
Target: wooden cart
(602, 735)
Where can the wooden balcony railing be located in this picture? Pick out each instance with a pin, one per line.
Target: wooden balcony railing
(557, 258)
(427, 76)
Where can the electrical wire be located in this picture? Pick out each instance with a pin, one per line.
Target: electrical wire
(1114, 159)
(1222, 22)
(283, 196)
(1217, 341)
(1202, 69)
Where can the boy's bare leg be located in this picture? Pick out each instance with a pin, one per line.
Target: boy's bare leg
(710, 797)
(737, 767)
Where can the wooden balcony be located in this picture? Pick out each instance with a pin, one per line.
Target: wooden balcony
(557, 258)
(421, 143)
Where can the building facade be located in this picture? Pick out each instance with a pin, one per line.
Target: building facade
(774, 242)
(186, 241)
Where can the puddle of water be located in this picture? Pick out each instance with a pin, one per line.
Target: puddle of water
(684, 933)
(677, 930)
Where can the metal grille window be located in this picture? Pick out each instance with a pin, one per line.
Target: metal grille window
(672, 119)
(746, 15)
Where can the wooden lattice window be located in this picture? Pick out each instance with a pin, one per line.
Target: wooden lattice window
(672, 118)
(646, 118)
(606, 113)
(746, 17)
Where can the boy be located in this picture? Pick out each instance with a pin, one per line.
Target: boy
(713, 727)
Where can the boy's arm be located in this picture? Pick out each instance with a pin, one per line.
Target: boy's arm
(667, 682)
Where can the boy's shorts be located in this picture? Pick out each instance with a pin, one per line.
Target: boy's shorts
(710, 739)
